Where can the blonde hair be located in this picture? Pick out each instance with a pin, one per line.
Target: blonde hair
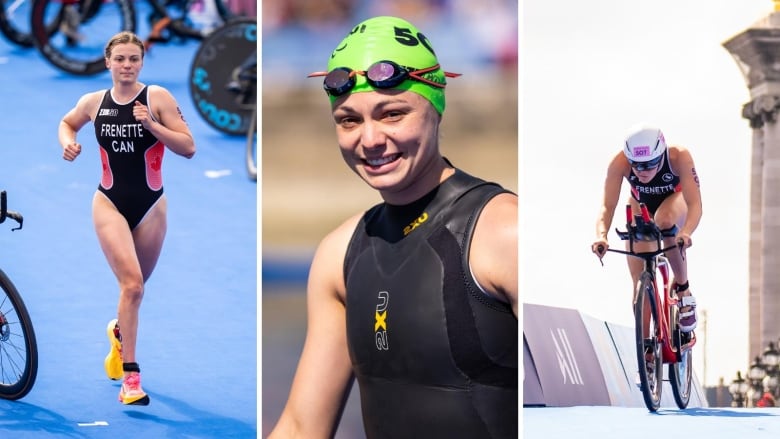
(123, 37)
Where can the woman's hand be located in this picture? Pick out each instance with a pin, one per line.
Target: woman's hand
(71, 151)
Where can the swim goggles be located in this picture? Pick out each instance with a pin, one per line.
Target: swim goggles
(381, 74)
(646, 166)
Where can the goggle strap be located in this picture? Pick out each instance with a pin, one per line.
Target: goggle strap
(415, 74)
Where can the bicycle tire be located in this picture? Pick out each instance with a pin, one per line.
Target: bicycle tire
(251, 146)
(77, 45)
(650, 382)
(212, 69)
(17, 344)
(15, 21)
(681, 371)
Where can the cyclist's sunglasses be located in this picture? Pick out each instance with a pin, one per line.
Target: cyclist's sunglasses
(381, 74)
(648, 165)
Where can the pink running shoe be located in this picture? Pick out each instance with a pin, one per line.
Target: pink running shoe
(131, 392)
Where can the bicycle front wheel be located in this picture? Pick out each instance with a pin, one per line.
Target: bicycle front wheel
(648, 348)
(83, 27)
(18, 348)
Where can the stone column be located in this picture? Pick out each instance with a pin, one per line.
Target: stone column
(757, 52)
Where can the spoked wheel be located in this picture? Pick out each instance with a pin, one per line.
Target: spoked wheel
(213, 76)
(72, 34)
(680, 372)
(18, 348)
(648, 349)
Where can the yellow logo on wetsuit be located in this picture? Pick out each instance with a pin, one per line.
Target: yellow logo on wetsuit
(416, 223)
(380, 322)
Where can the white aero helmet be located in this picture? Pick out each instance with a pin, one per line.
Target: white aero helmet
(644, 148)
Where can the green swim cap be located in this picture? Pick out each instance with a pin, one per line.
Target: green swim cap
(391, 39)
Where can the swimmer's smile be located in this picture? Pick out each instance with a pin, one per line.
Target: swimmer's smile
(377, 163)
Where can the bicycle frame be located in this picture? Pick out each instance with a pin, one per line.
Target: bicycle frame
(642, 228)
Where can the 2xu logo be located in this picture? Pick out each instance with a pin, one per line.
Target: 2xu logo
(380, 322)
(416, 223)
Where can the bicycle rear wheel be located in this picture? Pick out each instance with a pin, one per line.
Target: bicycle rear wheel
(83, 29)
(680, 372)
(18, 347)
(648, 349)
(216, 63)
(680, 379)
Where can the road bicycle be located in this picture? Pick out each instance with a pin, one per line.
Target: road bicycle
(223, 83)
(659, 339)
(18, 347)
(71, 34)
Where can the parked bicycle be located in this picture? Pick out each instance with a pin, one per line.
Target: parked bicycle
(71, 34)
(18, 347)
(223, 83)
(659, 339)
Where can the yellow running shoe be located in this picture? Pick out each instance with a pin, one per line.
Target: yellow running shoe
(131, 392)
(113, 361)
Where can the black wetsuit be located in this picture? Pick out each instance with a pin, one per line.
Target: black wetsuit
(434, 356)
(653, 193)
(131, 157)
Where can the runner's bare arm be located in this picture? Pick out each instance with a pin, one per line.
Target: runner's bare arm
(73, 121)
(172, 129)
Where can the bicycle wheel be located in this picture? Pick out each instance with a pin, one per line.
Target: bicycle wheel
(18, 348)
(15, 21)
(83, 29)
(680, 372)
(213, 69)
(648, 349)
(251, 147)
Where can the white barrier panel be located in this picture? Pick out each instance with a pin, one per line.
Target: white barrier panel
(562, 357)
(571, 352)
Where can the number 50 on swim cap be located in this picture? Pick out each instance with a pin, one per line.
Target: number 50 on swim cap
(392, 48)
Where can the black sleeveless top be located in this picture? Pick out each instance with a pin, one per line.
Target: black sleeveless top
(434, 356)
(652, 193)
